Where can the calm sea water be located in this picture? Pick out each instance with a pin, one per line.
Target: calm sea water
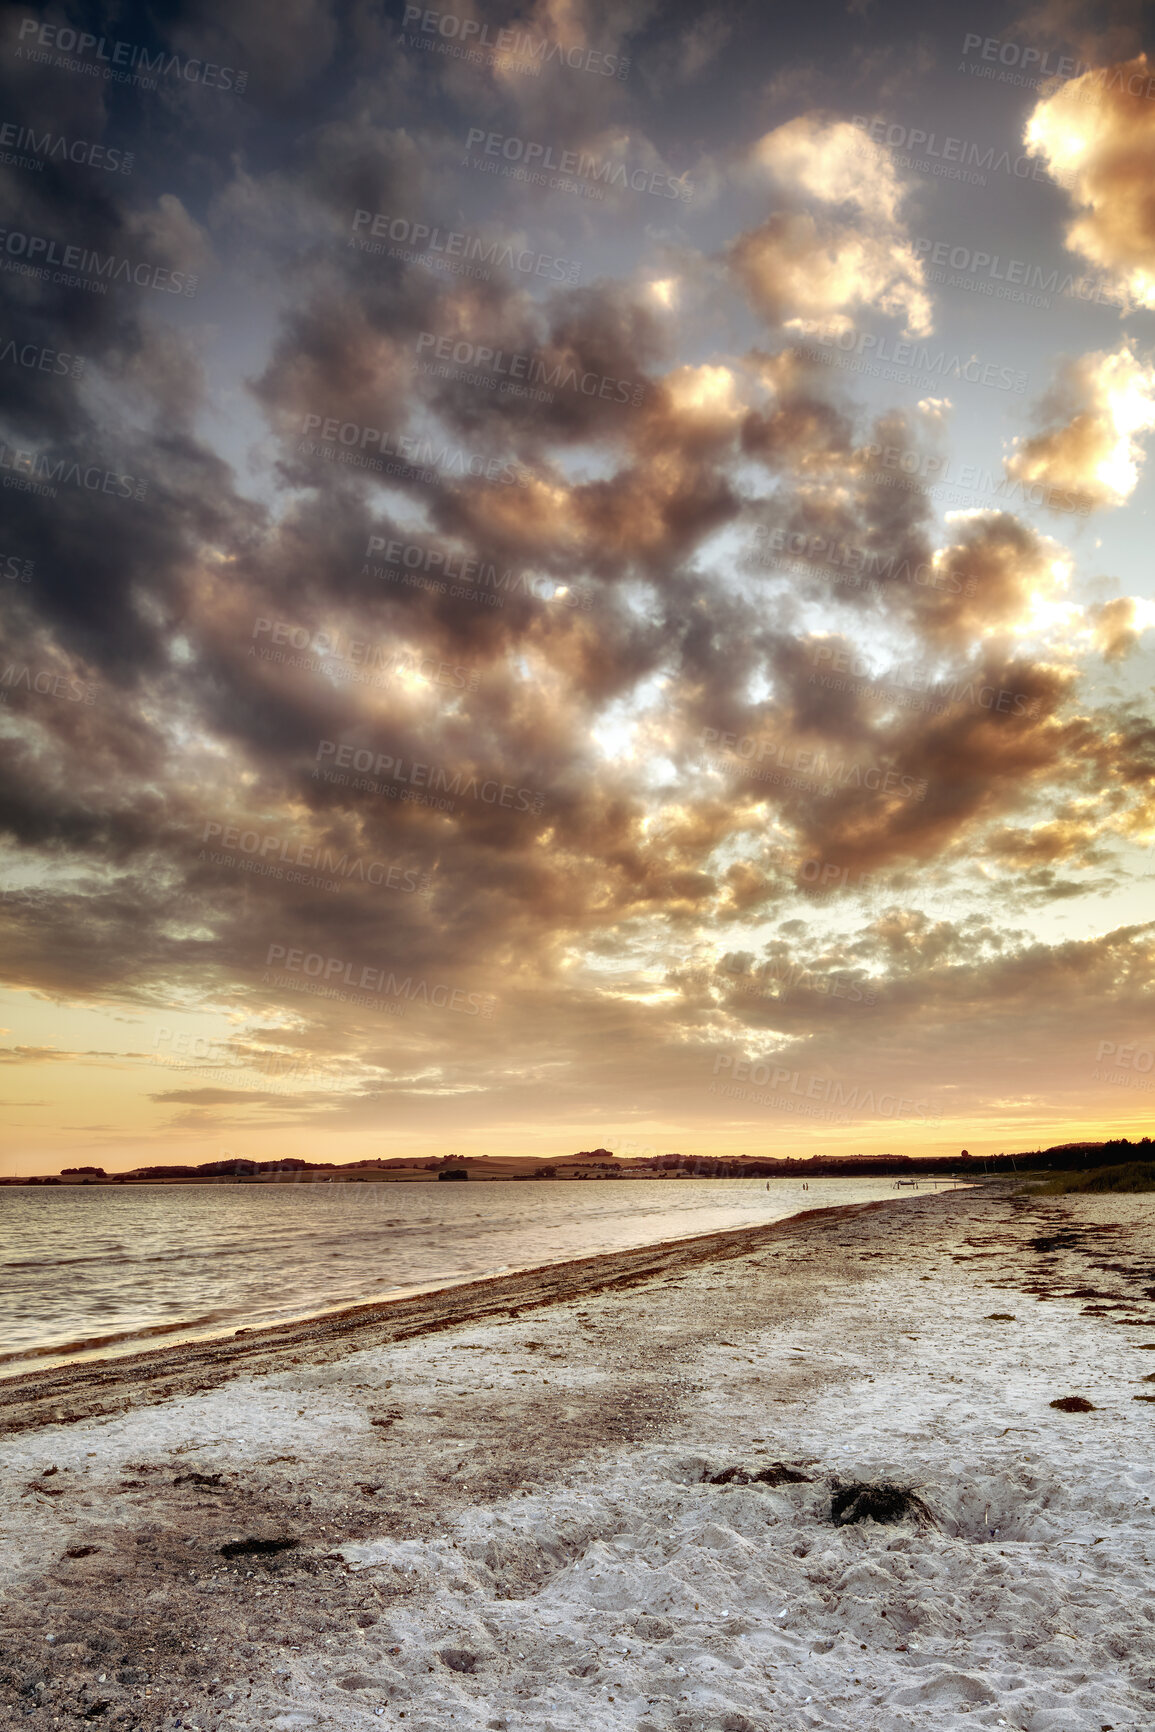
(91, 1272)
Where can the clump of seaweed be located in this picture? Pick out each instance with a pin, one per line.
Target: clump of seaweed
(1074, 1404)
(860, 1501)
(256, 1548)
(777, 1473)
(774, 1473)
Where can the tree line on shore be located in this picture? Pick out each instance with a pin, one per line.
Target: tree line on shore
(601, 1163)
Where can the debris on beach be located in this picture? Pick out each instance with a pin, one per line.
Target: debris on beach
(777, 1473)
(773, 1473)
(1074, 1404)
(859, 1501)
(256, 1547)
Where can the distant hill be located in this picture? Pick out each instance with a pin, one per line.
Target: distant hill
(603, 1163)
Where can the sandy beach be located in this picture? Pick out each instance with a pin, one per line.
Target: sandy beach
(535, 1502)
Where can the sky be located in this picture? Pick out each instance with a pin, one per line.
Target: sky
(575, 576)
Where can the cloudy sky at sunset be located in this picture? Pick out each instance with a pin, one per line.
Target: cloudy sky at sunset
(575, 576)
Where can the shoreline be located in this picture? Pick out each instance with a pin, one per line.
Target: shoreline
(613, 1500)
(158, 1373)
(169, 1337)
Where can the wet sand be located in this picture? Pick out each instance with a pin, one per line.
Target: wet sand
(492, 1506)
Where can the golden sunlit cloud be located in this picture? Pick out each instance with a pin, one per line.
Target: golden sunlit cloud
(852, 255)
(706, 393)
(834, 162)
(1096, 134)
(1105, 402)
(1117, 625)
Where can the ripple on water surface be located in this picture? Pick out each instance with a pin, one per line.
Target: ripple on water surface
(92, 1271)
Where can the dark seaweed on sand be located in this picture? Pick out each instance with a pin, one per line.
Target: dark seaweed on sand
(250, 1547)
(775, 1473)
(859, 1501)
(1074, 1404)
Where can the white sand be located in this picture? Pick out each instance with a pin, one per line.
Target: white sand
(620, 1590)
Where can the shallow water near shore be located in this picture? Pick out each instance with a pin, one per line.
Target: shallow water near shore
(95, 1272)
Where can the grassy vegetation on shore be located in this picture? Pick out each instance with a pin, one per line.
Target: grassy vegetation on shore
(1134, 1176)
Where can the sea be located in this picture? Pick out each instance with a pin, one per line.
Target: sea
(97, 1271)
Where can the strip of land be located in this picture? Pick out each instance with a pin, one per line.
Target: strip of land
(602, 1495)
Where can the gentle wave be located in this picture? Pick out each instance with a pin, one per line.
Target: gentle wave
(244, 1247)
(91, 1343)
